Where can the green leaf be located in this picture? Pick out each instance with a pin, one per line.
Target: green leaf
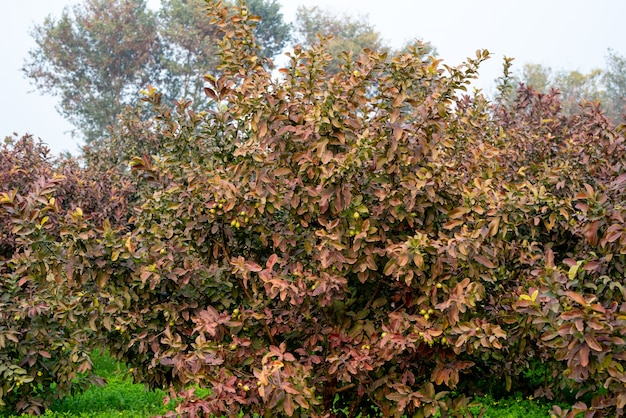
(573, 270)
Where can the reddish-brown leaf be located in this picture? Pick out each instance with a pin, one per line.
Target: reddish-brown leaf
(584, 355)
(591, 341)
(485, 261)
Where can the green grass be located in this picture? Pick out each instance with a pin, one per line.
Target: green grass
(123, 398)
(512, 408)
(119, 398)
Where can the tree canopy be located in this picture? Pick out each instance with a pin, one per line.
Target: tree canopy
(94, 56)
(614, 77)
(346, 33)
(606, 86)
(100, 53)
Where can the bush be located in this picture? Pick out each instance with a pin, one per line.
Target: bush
(48, 313)
(372, 239)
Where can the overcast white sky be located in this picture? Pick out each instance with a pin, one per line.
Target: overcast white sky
(563, 34)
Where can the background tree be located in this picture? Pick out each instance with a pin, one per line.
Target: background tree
(99, 53)
(189, 47)
(348, 33)
(95, 57)
(272, 33)
(614, 79)
(536, 76)
(574, 86)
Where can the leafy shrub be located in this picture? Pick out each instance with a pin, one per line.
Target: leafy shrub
(46, 297)
(369, 239)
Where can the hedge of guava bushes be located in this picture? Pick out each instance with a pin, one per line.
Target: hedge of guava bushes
(373, 240)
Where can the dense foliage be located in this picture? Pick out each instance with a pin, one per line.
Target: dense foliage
(370, 240)
(46, 300)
